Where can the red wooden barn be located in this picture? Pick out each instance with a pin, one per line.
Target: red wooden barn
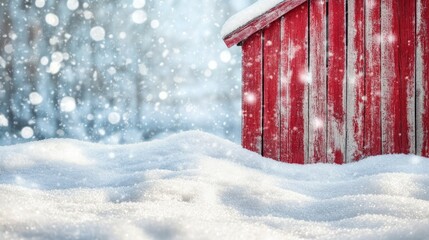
(334, 81)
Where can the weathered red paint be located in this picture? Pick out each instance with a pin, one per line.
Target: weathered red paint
(261, 22)
(355, 80)
(422, 78)
(336, 82)
(372, 118)
(407, 46)
(252, 93)
(294, 68)
(317, 88)
(271, 104)
(390, 73)
(322, 100)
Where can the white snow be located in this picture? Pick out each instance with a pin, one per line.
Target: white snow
(248, 14)
(54, 40)
(88, 14)
(154, 24)
(35, 98)
(72, 4)
(194, 185)
(40, 3)
(114, 118)
(3, 121)
(163, 95)
(52, 19)
(250, 98)
(27, 132)
(8, 48)
(139, 16)
(139, 3)
(122, 35)
(2, 62)
(68, 104)
(44, 60)
(143, 70)
(54, 67)
(57, 57)
(225, 56)
(212, 65)
(111, 70)
(97, 33)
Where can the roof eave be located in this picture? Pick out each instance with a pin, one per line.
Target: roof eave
(258, 23)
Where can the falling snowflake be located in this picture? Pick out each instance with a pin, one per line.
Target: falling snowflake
(114, 118)
(52, 19)
(68, 104)
(72, 4)
(27, 132)
(139, 16)
(154, 24)
(3, 121)
(97, 33)
(40, 3)
(139, 3)
(225, 56)
(163, 95)
(35, 98)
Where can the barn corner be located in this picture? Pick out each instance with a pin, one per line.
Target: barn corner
(333, 82)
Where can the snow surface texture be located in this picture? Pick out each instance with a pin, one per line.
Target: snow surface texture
(248, 14)
(194, 185)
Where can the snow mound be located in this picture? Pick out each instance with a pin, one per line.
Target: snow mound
(194, 185)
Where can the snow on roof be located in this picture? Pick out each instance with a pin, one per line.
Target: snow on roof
(255, 17)
(248, 14)
(195, 185)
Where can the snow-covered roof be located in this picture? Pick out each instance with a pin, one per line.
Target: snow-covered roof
(253, 18)
(248, 14)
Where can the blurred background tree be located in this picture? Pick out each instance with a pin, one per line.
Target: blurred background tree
(116, 71)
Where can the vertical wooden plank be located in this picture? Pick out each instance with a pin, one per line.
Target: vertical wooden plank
(390, 76)
(422, 78)
(271, 102)
(336, 135)
(317, 88)
(407, 34)
(252, 93)
(355, 80)
(372, 119)
(294, 69)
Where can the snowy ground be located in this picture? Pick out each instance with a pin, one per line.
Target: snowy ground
(197, 186)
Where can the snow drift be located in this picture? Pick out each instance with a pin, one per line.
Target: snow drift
(194, 185)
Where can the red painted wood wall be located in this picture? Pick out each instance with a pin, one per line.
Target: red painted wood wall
(338, 81)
